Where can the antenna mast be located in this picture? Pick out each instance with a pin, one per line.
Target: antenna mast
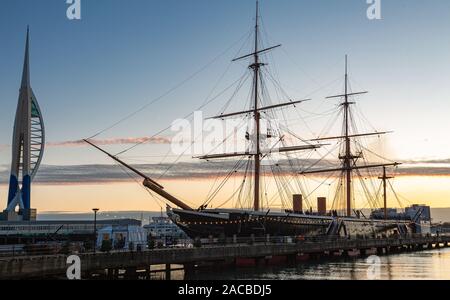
(385, 178)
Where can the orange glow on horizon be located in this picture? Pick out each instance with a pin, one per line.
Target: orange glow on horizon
(130, 196)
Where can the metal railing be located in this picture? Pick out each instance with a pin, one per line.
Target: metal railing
(300, 239)
(62, 248)
(11, 250)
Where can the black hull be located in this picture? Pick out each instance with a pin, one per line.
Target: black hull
(229, 223)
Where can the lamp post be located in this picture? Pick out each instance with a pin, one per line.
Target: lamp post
(95, 210)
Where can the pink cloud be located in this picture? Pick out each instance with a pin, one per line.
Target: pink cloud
(113, 141)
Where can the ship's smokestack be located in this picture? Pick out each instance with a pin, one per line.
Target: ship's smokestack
(322, 206)
(298, 203)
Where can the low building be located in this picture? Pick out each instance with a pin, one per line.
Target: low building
(415, 210)
(163, 230)
(21, 232)
(129, 237)
(419, 213)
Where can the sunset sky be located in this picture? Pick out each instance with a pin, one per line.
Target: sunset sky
(122, 55)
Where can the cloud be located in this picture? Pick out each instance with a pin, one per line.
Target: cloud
(114, 141)
(430, 161)
(87, 174)
(424, 171)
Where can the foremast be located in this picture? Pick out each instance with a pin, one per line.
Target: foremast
(257, 156)
(256, 152)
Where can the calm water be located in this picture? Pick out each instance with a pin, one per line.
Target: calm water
(426, 265)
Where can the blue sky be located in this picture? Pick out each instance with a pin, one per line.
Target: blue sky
(90, 73)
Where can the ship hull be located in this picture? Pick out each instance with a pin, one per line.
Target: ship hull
(230, 223)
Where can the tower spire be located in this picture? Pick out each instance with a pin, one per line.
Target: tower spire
(26, 62)
(27, 146)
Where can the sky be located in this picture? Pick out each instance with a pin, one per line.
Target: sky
(87, 74)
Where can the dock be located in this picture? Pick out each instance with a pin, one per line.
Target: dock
(109, 264)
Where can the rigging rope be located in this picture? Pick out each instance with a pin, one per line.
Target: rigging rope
(171, 90)
(187, 116)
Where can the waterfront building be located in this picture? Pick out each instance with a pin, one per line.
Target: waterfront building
(162, 229)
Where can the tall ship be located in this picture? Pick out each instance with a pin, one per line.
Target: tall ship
(253, 215)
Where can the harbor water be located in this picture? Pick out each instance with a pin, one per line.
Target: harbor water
(425, 265)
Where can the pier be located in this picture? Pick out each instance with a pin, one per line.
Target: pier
(258, 252)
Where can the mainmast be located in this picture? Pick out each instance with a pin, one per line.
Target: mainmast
(348, 159)
(256, 66)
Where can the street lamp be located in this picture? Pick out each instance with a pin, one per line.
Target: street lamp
(95, 210)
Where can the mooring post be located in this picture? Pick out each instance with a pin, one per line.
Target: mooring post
(110, 274)
(148, 272)
(168, 272)
(131, 273)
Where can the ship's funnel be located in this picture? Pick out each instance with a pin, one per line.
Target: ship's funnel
(322, 206)
(298, 203)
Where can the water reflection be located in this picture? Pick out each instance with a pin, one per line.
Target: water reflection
(426, 265)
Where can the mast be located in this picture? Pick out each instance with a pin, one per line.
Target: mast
(347, 158)
(257, 154)
(256, 66)
(385, 178)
